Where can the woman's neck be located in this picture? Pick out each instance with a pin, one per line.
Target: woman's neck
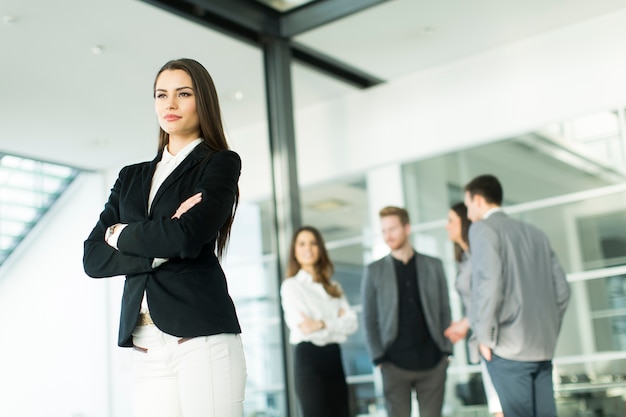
(310, 269)
(175, 143)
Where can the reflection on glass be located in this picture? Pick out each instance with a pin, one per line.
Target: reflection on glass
(603, 238)
(556, 186)
(253, 283)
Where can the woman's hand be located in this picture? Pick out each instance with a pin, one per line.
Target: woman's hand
(308, 325)
(457, 330)
(186, 205)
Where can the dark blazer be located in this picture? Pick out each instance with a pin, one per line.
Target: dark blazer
(187, 295)
(379, 293)
(519, 290)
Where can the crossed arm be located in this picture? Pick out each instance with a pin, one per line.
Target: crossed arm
(113, 232)
(183, 234)
(112, 262)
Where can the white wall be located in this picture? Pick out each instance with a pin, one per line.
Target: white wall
(57, 326)
(499, 93)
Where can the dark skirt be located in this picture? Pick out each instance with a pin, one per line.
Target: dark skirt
(320, 380)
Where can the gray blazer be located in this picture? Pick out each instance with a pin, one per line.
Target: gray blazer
(379, 294)
(519, 291)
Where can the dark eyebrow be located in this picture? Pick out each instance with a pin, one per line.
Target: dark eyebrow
(178, 89)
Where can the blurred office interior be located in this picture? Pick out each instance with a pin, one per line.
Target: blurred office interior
(534, 93)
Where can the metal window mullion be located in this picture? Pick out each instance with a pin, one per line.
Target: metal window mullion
(286, 193)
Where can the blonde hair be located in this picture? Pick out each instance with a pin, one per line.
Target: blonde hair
(402, 214)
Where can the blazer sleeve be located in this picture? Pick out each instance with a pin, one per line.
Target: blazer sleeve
(444, 301)
(101, 260)
(561, 286)
(371, 323)
(185, 237)
(486, 290)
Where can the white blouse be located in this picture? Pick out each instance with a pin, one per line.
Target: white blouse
(300, 294)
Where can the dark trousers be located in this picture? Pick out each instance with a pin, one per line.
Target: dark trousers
(428, 384)
(320, 380)
(525, 388)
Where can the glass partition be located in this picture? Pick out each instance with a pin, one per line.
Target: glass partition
(576, 198)
(253, 283)
(578, 204)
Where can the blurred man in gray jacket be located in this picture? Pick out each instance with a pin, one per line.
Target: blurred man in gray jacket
(520, 294)
(405, 312)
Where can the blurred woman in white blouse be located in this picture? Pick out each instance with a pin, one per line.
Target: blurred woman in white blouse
(319, 319)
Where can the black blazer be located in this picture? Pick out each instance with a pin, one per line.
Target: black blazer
(188, 295)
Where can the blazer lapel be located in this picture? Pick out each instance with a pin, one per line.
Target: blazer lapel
(189, 162)
(389, 275)
(421, 271)
(146, 179)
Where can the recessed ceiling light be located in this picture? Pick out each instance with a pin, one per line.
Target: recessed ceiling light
(97, 49)
(327, 205)
(237, 95)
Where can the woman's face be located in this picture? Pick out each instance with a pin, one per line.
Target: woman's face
(175, 105)
(454, 226)
(306, 250)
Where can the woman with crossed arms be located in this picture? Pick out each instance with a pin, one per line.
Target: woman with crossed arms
(319, 319)
(165, 226)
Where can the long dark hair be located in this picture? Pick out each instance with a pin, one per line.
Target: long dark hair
(211, 129)
(461, 210)
(323, 268)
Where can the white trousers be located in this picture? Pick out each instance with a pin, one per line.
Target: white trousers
(199, 377)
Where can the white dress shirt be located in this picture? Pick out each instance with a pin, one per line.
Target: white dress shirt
(301, 295)
(166, 165)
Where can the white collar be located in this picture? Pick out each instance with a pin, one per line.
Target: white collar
(491, 211)
(182, 154)
(304, 277)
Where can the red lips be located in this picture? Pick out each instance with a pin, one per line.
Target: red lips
(171, 117)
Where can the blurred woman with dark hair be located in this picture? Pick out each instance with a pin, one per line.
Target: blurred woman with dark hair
(319, 319)
(458, 229)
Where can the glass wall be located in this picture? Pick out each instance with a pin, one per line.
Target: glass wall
(251, 265)
(574, 196)
(587, 232)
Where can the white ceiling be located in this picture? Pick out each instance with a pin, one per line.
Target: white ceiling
(61, 102)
